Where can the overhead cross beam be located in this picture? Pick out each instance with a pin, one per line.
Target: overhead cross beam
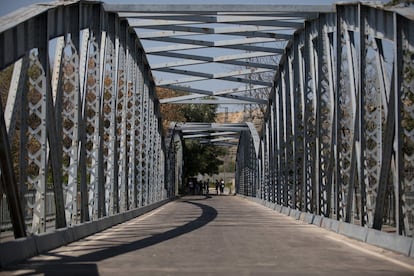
(219, 8)
(211, 50)
(218, 54)
(212, 133)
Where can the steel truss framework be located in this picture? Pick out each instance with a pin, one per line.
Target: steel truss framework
(212, 133)
(338, 137)
(84, 125)
(216, 53)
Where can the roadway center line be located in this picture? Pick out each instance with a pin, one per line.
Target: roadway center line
(372, 253)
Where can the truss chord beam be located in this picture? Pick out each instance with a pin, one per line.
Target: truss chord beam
(197, 93)
(206, 9)
(232, 62)
(196, 44)
(181, 25)
(215, 75)
(218, 30)
(219, 18)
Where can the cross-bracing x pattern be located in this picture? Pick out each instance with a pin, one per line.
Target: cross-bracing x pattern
(217, 54)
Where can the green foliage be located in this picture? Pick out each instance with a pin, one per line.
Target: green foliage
(170, 112)
(200, 113)
(201, 159)
(198, 158)
(5, 79)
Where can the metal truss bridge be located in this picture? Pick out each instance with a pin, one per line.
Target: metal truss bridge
(81, 138)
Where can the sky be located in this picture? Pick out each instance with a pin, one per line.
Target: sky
(7, 6)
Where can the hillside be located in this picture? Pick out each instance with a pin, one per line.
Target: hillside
(239, 117)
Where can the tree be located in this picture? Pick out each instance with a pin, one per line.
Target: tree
(201, 158)
(199, 113)
(198, 158)
(170, 112)
(5, 79)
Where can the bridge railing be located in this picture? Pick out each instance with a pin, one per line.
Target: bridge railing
(247, 174)
(338, 137)
(174, 160)
(80, 118)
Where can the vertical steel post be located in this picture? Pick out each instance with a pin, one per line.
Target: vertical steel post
(8, 180)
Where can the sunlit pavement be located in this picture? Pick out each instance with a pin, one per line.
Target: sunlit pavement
(216, 235)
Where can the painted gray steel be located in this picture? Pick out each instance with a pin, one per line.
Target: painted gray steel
(337, 139)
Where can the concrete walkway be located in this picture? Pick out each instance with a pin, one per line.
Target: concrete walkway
(220, 235)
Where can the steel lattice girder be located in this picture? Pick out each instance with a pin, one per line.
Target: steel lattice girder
(337, 130)
(183, 35)
(88, 122)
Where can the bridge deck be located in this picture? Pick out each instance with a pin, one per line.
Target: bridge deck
(221, 235)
